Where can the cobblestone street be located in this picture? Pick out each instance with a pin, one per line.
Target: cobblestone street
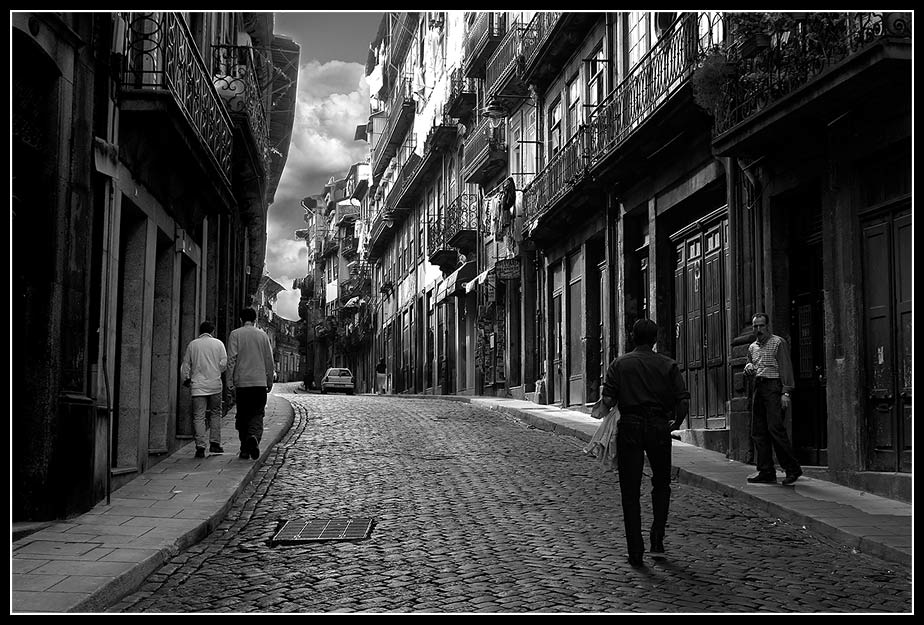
(477, 512)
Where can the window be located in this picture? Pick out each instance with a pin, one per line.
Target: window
(638, 36)
(596, 77)
(555, 128)
(573, 93)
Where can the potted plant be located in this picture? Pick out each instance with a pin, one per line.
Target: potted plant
(710, 82)
(750, 32)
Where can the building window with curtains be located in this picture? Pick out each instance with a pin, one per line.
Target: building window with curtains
(555, 128)
(637, 30)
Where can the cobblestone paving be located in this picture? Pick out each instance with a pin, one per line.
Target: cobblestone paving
(476, 512)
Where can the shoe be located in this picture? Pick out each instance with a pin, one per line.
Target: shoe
(635, 559)
(200, 452)
(762, 478)
(656, 537)
(254, 447)
(245, 453)
(791, 478)
(215, 448)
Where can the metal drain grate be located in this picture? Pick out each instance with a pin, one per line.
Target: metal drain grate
(303, 531)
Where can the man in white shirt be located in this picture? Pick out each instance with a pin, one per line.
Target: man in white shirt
(251, 371)
(203, 364)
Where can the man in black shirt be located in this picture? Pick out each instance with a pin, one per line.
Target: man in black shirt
(652, 400)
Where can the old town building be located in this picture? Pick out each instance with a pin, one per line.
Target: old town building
(147, 148)
(537, 181)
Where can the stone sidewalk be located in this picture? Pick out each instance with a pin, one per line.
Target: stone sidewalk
(89, 562)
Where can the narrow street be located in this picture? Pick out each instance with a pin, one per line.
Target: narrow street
(476, 512)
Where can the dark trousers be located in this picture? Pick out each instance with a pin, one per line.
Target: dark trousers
(767, 427)
(635, 437)
(251, 402)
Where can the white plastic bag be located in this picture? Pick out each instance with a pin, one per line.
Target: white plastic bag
(602, 445)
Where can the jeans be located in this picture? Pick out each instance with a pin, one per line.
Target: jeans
(635, 437)
(767, 428)
(251, 401)
(207, 414)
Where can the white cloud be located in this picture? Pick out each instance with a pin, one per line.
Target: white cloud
(333, 99)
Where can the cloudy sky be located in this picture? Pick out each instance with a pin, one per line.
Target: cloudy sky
(333, 99)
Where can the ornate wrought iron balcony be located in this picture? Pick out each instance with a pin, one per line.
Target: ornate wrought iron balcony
(558, 177)
(485, 34)
(503, 68)
(401, 110)
(773, 54)
(462, 95)
(160, 55)
(537, 33)
(462, 222)
(485, 151)
(235, 79)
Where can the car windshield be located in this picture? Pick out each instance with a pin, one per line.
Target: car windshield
(338, 372)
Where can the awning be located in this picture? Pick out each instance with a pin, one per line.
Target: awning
(455, 282)
(479, 279)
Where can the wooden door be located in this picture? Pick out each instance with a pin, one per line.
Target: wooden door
(887, 339)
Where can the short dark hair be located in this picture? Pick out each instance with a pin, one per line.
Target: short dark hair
(248, 314)
(206, 327)
(761, 314)
(645, 332)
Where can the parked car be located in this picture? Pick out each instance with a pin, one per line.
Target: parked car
(338, 379)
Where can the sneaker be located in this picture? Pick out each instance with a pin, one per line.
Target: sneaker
(215, 448)
(791, 478)
(200, 452)
(254, 447)
(762, 478)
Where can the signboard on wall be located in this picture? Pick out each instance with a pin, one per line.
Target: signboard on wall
(507, 269)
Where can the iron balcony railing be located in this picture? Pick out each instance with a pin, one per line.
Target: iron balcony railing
(536, 33)
(661, 72)
(462, 94)
(563, 171)
(161, 55)
(405, 161)
(462, 214)
(236, 83)
(436, 235)
(503, 62)
(401, 96)
(481, 141)
(487, 25)
(796, 48)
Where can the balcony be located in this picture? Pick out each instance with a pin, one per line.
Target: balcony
(405, 164)
(502, 74)
(439, 252)
(235, 79)
(330, 246)
(562, 173)
(773, 56)
(345, 213)
(462, 95)
(400, 117)
(173, 121)
(657, 76)
(349, 246)
(462, 222)
(417, 171)
(483, 37)
(549, 40)
(485, 152)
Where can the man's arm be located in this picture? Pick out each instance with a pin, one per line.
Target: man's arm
(232, 360)
(682, 407)
(223, 360)
(268, 361)
(608, 393)
(186, 367)
(784, 360)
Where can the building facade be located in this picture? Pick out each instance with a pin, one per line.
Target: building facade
(538, 181)
(152, 143)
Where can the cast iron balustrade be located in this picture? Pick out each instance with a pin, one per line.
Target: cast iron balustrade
(801, 47)
(536, 33)
(558, 177)
(439, 252)
(400, 115)
(405, 164)
(161, 55)
(345, 214)
(236, 83)
(485, 149)
(483, 36)
(502, 68)
(462, 94)
(660, 73)
(462, 221)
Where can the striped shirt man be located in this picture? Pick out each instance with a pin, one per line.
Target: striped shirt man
(771, 360)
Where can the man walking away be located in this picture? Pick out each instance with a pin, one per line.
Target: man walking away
(652, 401)
(250, 376)
(380, 377)
(203, 363)
(771, 366)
